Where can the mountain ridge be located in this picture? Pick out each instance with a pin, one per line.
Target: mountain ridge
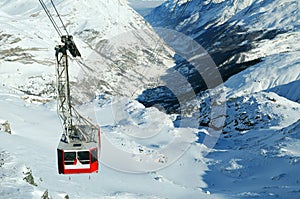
(237, 35)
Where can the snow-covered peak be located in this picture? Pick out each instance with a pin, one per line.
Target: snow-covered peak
(262, 14)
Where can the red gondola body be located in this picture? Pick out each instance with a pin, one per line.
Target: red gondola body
(79, 157)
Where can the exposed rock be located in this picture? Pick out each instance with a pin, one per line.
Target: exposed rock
(29, 177)
(5, 126)
(45, 195)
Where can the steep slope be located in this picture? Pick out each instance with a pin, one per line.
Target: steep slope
(278, 73)
(236, 34)
(255, 37)
(114, 40)
(254, 44)
(212, 22)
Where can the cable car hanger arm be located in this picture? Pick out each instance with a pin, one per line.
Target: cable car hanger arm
(66, 39)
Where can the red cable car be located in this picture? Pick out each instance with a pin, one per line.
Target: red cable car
(78, 157)
(78, 150)
(79, 147)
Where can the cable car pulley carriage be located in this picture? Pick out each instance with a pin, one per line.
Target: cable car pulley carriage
(79, 148)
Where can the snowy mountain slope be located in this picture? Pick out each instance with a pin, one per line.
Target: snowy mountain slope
(33, 145)
(266, 166)
(262, 110)
(237, 34)
(288, 90)
(25, 42)
(274, 72)
(257, 154)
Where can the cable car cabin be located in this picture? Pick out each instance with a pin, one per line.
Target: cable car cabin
(76, 158)
(78, 150)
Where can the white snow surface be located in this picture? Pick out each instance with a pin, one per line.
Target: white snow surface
(115, 43)
(274, 72)
(36, 132)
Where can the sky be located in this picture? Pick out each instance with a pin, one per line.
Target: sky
(145, 3)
